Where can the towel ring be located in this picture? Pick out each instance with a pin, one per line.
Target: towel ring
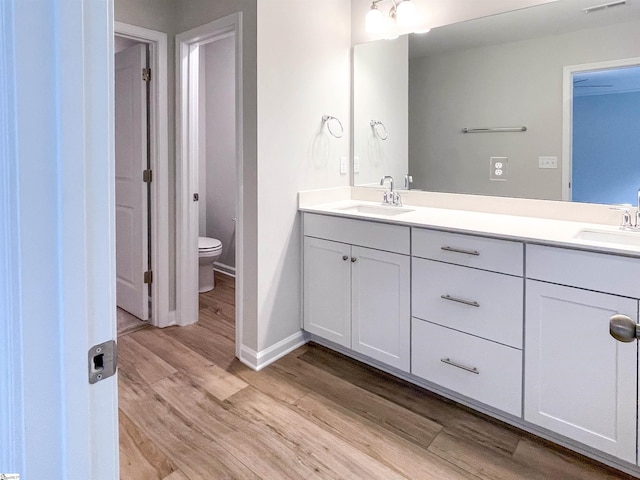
(327, 119)
(381, 135)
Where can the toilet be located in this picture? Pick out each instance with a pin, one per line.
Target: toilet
(209, 249)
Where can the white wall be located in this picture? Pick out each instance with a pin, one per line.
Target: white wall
(514, 84)
(303, 73)
(381, 93)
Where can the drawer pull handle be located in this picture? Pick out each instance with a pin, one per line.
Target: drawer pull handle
(448, 361)
(345, 258)
(459, 250)
(460, 300)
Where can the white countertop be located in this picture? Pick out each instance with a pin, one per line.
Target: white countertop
(528, 229)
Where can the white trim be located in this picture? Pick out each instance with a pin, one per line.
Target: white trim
(157, 42)
(11, 411)
(258, 360)
(186, 175)
(225, 269)
(567, 111)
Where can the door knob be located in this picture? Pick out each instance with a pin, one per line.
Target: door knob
(623, 329)
(345, 258)
(354, 259)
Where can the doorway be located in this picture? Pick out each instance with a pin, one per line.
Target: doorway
(151, 270)
(601, 140)
(195, 49)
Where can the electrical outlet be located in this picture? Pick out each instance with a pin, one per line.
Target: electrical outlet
(356, 164)
(498, 168)
(343, 165)
(547, 162)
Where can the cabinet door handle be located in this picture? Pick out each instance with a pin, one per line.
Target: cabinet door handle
(448, 361)
(345, 257)
(460, 250)
(623, 329)
(354, 259)
(460, 300)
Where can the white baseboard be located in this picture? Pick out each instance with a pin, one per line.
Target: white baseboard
(226, 269)
(258, 360)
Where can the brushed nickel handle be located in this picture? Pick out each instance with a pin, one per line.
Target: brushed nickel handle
(448, 361)
(460, 300)
(460, 250)
(345, 257)
(354, 259)
(623, 329)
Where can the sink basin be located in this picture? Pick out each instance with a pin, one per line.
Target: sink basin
(388, 211)
(618, 237)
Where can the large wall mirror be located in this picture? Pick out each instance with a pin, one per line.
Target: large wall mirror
(549, 97)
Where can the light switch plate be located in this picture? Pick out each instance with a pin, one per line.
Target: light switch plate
(356, 164)
(498, 168)
(547, 162)
(343, 165)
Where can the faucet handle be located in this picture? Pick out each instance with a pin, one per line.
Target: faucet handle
(626, 216)
(397, 199)
(408, 180)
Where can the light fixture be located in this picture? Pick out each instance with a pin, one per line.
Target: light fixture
(401, 18)
(374, 21)
(406, 13)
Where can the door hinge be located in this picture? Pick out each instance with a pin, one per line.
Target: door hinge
(146, 74)
(148, 276)
(103, 361)
(147, 176)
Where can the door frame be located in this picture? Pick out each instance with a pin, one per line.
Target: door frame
(187, 162)
(160, 315)
(567, 111)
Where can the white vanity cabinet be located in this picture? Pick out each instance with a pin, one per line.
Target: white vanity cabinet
(357, 286)
(467, 303)
(579, 381)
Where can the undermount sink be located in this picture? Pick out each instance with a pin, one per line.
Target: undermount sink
(619, 237)
(388, 211)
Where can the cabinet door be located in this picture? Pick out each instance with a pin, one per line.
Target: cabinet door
(579, 381)
(327, 290)
(380, 306)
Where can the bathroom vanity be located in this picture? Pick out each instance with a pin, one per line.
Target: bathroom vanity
(506, 314)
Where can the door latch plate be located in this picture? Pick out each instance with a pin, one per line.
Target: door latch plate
(103, 361)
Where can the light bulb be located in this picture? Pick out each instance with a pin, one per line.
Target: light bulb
(374, 21)
(405, 13)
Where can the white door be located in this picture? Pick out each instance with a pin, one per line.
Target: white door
(327, 290)
(579, 381)
(131, 191)
(381, 321)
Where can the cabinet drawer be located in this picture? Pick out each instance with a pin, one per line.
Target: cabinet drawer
(448, 358)
(485, 304)
(592, 271)
(381, 236)
(503, 256)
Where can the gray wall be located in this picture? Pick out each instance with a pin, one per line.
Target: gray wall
(505, 85)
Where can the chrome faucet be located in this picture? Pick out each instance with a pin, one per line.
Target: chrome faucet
(390, 197)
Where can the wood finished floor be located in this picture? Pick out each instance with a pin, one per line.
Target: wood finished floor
(190, 411)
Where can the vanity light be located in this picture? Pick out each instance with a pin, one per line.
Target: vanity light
(402, 15)
(374, 20)
(406, 13)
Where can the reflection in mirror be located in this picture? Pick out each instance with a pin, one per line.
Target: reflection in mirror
(507, 70)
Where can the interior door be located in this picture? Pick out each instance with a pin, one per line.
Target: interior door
(131, 192)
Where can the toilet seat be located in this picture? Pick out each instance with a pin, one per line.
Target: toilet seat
(208, 245)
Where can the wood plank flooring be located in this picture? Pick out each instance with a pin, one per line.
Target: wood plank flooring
(189, 410)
